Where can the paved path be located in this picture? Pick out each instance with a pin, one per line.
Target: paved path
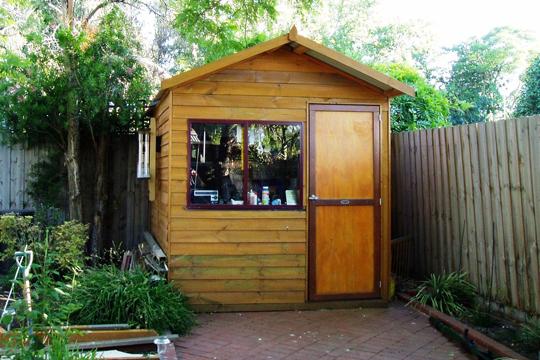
(392, 333)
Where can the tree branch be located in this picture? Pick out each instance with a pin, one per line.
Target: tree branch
(132, 3)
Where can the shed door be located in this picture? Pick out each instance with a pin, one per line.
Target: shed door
(344, 208)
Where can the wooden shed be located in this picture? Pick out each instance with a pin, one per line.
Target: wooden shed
(271, 184)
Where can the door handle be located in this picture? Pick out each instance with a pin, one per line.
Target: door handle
(313, 197)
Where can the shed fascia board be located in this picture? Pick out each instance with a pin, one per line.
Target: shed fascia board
(388, 85)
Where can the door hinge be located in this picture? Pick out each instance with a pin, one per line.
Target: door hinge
(380, 284)
(380, 201)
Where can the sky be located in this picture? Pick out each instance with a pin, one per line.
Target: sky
(455, 21)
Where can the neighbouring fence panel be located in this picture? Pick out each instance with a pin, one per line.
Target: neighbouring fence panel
(15, 165)
(469, 196)
(127, 215)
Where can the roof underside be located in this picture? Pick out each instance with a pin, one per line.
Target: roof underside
(301, 45)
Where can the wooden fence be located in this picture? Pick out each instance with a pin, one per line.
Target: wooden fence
(470, 198)
(15, 165)
(127, 214)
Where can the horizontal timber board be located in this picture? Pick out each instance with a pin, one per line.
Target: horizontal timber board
(199, 286)
(247, 297)
(242, 224)
(237, 249)
(240, 273)
(266, 89)
(278, 260)
(241, 214)
(206, 236)
(239, 113)
(282, 61)
(267, 102)
(281, 77)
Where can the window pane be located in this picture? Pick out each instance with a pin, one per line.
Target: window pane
(216, 164)
(274, 161)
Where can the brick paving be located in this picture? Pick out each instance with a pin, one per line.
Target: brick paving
(391, 333)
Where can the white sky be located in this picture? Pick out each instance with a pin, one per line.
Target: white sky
(455, 21)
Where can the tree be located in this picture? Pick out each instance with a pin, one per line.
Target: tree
(479, 74)
(212, 29)
(528, 101)
(429, 109)
(72, 77)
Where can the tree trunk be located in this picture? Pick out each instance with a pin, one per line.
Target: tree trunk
(101, 194)
(72, 159)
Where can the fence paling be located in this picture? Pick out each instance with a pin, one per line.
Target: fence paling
(470, 198)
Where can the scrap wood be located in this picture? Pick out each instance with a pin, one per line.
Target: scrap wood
(119, 343)
(102, 335)
(119, 355)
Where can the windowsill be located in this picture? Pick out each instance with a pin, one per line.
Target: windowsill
(246, 207)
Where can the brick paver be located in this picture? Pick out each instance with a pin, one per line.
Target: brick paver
(391, 333)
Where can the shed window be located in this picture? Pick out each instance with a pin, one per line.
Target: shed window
(220, 153)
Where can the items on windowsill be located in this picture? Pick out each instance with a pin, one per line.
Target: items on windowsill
(253, 198)
(237, 202)
(265, 195)
(290, 197)
(276, 202)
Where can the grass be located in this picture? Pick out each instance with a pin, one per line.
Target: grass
(448, 293)
(108, 295)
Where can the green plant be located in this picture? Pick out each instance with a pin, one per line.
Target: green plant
(69, 241)
(529, 334)
(449, 293)
(108, 295)
(15, 231)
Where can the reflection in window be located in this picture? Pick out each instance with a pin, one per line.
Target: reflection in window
(216, 164)
(274, 157)
(218, 158)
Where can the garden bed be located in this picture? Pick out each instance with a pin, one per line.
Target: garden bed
(496, 337)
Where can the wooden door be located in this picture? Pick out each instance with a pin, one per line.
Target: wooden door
(344, 202)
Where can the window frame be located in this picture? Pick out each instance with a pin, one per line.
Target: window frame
(245, 176)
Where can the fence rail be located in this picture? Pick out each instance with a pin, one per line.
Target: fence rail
(470, 198)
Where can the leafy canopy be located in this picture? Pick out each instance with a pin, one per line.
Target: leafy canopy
(528, 102)
(479, 74)
(111, 85)
(212, 29)
(430, 107)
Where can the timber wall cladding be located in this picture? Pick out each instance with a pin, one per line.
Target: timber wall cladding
(248, 257)
(470, 197)
(159, 208)
(15, 165)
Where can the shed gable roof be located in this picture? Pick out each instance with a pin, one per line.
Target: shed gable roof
(301, 45)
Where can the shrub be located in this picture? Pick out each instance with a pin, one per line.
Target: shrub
(108, 295)
(69, 241)
(15, 231)
(66, 247)
(449, 293)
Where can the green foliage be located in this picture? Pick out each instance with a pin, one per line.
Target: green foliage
(449, 293)
(478, 75)
(68, 241)
(108, 295)
(63, 248)
(15, 232)
(214, 29)
(429, 109)
(529, 334)
(528, 102)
